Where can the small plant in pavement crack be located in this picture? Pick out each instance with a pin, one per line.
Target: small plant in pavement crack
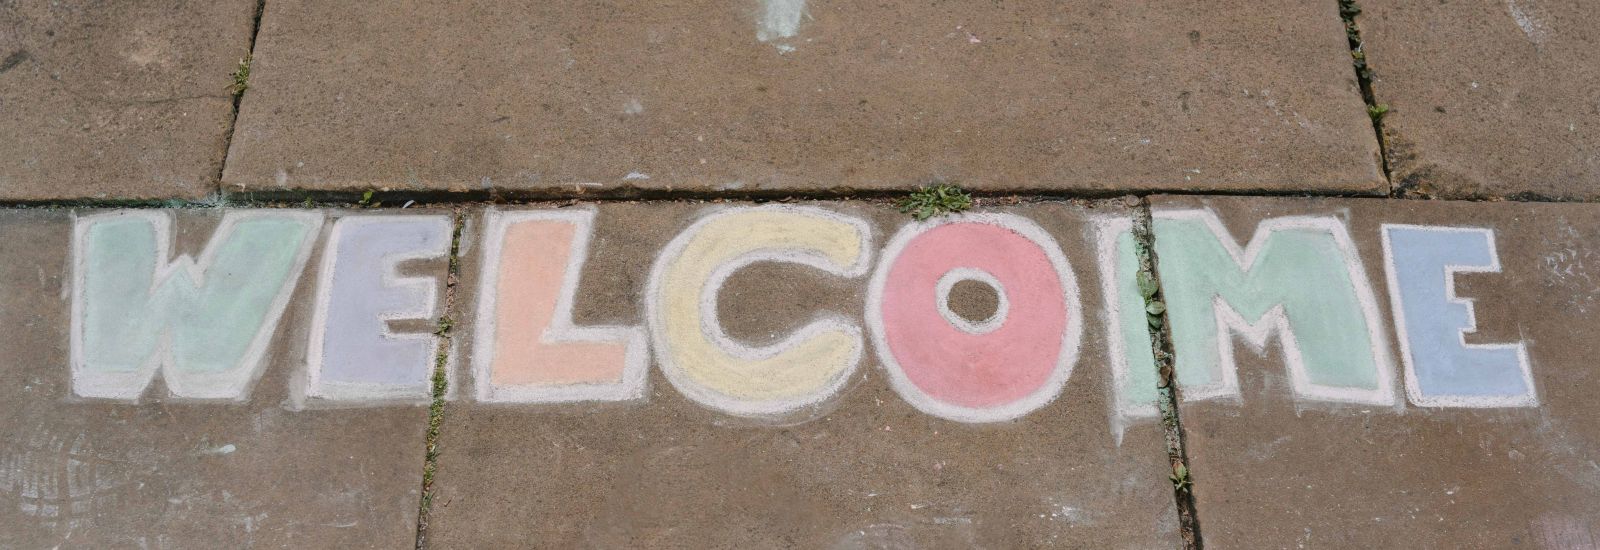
(927, 202)
(241, 78)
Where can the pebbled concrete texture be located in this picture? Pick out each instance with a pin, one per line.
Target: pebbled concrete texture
(787, 96)
(1489, 99)
(862, 470)
(173, 473)
(1272, 470)
(117, 100)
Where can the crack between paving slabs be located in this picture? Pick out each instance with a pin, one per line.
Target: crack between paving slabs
(238, 95)
(1348, 10)
(441, 381)
(1166, 386)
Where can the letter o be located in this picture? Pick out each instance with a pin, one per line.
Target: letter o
(994, 370)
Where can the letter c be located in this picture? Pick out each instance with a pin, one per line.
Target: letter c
(708, 366)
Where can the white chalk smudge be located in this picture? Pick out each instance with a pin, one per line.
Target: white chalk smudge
(223, 450)
(633, 106)
(780, 19)
(1532, 26)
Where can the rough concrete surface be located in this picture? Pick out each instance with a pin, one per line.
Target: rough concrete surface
(167, 472)
(117, 100)
(775, 96)
(863, 469)
(1489, 99)
(1275, 471)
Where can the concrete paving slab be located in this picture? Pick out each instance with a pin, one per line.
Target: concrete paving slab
(1489, 99)
(1388, 427)
(777, 96)
(117, 100)
(699, 400)
(229, 445)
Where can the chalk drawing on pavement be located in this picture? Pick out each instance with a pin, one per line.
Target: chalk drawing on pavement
(1300, 278)
(947, 284)
(353, 353)
(527, 348)
(780, 20)
(999, 369)
(1441, 368)
(205, 324)
(1133, 367)
(711, 368)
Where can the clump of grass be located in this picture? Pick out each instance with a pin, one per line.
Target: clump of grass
(241, 78)
(927, 202)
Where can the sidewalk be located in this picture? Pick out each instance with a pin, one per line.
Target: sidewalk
(1238, 276)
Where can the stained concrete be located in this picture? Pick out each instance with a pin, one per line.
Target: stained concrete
(862, 470)
(1489, 99)
(540, 98)
(117, 100)
(171, 473)
(1271, 471)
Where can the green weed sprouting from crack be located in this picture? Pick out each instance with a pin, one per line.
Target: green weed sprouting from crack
(927, 202)
(241, 78)
(1348, 10)
(1376, 112)
(440, 384)
(1180, 478)
(1155, 309)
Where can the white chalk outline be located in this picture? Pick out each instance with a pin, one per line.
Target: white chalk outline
(1107, 230)
(1256, 334)
(1413, 388)
(1071, 339)
(710, 326)
(230, 384)
(423, 287)
(561, 329)
(941, 291)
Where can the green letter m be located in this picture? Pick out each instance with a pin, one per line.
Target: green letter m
(1299, 278)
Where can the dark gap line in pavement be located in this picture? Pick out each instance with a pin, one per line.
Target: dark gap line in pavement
(441, 381)
(1166, 381)
(1348, 10)
(238, 93)
(395, 200)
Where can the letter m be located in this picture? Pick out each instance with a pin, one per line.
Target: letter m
(204, 323)
(1299, 278)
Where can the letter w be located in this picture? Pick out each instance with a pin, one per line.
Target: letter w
(205, 324)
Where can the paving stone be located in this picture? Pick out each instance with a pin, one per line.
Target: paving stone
(710, 455)
(1489, 99)
(117, 100)
(784, 96)
(161, 467)
(1451, 450)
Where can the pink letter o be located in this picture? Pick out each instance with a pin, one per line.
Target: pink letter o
(952, 368)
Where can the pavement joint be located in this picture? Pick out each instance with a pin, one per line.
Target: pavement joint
(440, 380)
(1166, 390)
(409, 200)
(237, 90)
(1348, 10)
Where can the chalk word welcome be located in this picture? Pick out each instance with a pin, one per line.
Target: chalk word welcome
(204, 323)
